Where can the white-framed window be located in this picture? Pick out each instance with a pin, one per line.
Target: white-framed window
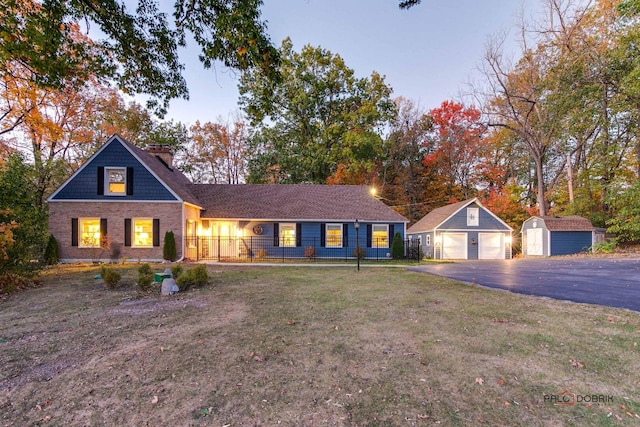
(380, 236)
(142, 229)
(428, 238)
(192, 229)
(89, 232)
(115, 181)
(287, 234)
(473, 217)
(333, 235)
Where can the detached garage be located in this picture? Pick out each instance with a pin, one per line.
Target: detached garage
(464, 230)
(554, 235)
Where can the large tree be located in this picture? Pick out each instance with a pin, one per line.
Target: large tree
(403, 179)
(456, 147)
(139, 49)
(318, 121)
(216, 152)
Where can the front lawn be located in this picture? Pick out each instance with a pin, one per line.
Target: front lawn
(308, 346)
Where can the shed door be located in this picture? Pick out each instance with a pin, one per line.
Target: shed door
(454, 246)
(534, 241)
(490, 246)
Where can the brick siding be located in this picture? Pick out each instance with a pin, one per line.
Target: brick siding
(169, 214)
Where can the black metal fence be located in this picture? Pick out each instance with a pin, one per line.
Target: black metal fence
(265, 249)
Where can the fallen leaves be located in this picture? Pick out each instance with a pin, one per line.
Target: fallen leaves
(499, 320)
(576, 363)
(479, 381)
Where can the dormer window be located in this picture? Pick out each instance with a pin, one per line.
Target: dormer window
(115, 181)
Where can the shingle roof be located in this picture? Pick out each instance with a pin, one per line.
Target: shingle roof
(437, 217)
(292, 202)
(567, 223)
(173, 178)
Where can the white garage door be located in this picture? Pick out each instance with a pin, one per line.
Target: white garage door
(454, 246)
(490, 246)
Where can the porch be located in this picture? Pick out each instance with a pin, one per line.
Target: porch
(264, 248)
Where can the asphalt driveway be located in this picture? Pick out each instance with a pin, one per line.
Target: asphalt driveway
(613, 282)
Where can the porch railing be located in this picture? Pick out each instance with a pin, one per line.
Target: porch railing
(265, 249)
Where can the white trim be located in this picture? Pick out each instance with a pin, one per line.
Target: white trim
(280, 239)
(326, 234)
(307, 220)
(106, 181)
(115, 201)
(133, 232)
(475, 199)
(373, 240)
(80, 232)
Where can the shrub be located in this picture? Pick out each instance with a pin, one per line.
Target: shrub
(605, 247)
(176, 271)
(145, 277)
(51, 251)
(359, 252)
(11, 282)
(415, 252)
(309, 252)
(196, 276)
(110, 277)
(262, 253)
(169, 251)
(397, 247)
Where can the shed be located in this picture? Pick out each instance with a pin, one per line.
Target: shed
(463, 230)
(555, 235)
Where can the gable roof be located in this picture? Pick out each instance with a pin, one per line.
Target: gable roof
(265, 201)
(436, 217)
(292, 202)
(172, 179)
(565, 223)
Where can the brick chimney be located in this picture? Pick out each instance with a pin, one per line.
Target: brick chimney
(163, 152)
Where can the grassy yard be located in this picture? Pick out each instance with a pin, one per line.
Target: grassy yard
(298, 346)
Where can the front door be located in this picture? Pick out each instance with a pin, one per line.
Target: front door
(534, 241)
(224, 239)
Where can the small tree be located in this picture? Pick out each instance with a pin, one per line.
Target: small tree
(51, 252)
(169, 251)
(397, 247)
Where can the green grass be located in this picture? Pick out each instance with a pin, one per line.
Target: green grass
(310, 346)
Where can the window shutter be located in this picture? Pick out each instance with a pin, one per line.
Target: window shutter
(127, 231)
(391, 234)
(345, 235)
(100, 178)
(103, 229)
(156, 232)
(369, 235)
(129, 181)
(74, 231)
(323, 235)
(276, 234)
(298, 234)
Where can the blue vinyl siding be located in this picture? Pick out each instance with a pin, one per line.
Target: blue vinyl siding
(570, 242)
(84, 185)
(486, 221)
(311, 237)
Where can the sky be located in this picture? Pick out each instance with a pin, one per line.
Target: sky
(427, 53)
